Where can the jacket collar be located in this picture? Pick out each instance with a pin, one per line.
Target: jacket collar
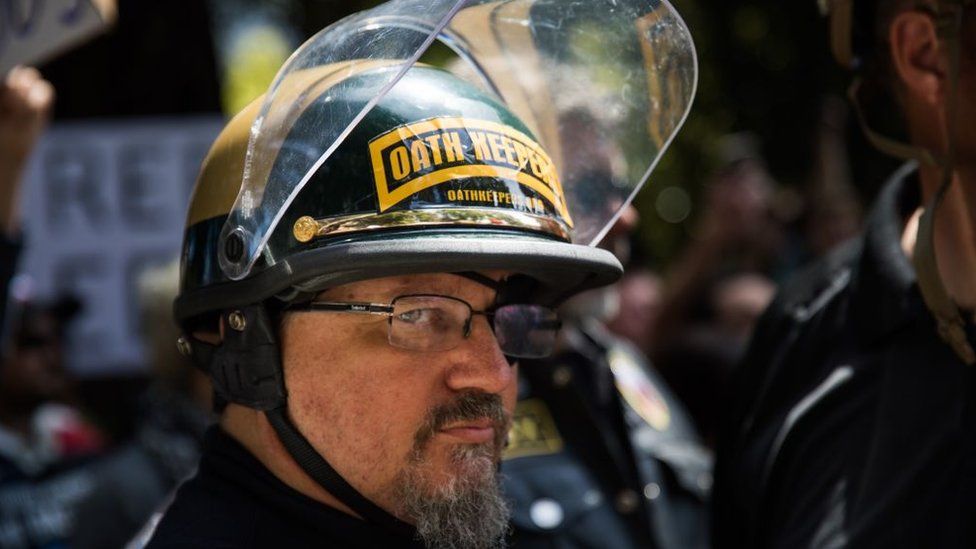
(885, 295)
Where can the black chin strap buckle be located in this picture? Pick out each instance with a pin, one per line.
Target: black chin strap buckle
(246, 366)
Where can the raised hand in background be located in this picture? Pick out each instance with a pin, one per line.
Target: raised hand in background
(26, 99)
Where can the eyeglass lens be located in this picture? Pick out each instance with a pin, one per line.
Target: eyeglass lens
(526, 331)
(439, 323)
(428, 323)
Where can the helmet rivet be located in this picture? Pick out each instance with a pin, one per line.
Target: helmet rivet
(236, 321)
(183, 346)
(234, 247)
(305, 228)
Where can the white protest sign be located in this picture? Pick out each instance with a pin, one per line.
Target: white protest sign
(32, 31)
(105, 200)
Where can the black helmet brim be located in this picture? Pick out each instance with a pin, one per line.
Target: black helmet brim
(560, 268)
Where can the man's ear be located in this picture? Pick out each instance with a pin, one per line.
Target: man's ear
(917, 57)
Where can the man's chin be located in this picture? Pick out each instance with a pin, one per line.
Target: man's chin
(452, 495)
(459, 463)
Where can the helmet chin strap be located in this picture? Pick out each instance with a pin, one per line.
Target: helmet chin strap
(327, 477)
(951, 326)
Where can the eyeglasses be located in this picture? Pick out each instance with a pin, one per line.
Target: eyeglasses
(439, 323)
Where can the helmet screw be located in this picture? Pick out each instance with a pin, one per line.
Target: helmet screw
(305, 229)
(236, 321)
(183, 346)
(234, 247)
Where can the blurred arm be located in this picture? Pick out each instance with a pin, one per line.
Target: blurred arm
(25, 106)
(732, 221)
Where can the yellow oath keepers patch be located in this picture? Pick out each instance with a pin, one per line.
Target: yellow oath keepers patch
(419, 156)
(533, 431)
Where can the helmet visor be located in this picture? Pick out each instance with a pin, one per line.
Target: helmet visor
(602, 86)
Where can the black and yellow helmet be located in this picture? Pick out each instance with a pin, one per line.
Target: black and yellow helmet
(437, 177)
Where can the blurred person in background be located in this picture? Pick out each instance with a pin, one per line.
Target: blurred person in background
(751, 235)
(737, 231)
(45, 444)
(174, 412)
(853, 418)
(737, 302)
(641, 295)
(620, 453)
(715, 290)
(832, 210)
(701, 358)
(600, 444)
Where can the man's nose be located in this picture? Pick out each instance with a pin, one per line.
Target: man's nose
(479, 363)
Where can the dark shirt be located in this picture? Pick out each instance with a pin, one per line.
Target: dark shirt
(234, 501)
(854, 423)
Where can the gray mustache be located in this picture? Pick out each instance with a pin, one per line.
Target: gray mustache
(471, 406)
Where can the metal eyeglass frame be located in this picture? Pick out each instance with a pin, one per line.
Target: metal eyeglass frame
(381, 309)
(387, 309)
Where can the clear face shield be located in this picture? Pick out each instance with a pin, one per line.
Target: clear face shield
(604, 85)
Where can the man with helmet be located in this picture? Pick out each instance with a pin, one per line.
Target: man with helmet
(373, 246)
(855, 415)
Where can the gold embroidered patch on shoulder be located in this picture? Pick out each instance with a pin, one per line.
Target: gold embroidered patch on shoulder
(533, 432)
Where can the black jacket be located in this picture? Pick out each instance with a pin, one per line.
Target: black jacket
(602, 454)
(235, 502)
(854, 424)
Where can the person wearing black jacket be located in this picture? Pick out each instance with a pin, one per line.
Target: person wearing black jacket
(854, 419)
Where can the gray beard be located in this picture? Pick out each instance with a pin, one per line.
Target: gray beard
(469, 512)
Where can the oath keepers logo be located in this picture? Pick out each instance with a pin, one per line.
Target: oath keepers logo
(415, 157)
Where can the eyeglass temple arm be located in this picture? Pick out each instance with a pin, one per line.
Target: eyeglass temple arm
(365, 308)
(482, 279)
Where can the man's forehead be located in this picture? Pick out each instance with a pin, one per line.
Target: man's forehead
(392, 286)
